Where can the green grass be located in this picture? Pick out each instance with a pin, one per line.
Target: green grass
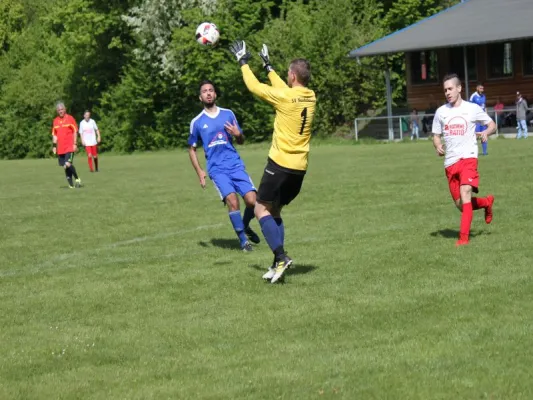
(131, 287)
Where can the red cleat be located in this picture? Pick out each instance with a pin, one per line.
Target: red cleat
(462, 241)
(488, 209)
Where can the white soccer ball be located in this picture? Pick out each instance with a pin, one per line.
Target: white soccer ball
(207, 34)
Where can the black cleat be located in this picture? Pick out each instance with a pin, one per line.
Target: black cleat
(252, 236)
(281, 266)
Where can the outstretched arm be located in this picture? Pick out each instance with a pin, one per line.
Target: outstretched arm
(275, 80)
(266, 92)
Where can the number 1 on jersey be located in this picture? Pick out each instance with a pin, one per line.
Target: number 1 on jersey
(304, 120)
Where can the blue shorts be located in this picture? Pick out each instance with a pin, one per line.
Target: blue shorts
(480, 128)
(233, 182)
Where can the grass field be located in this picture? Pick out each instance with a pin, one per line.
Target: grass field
(133, 288)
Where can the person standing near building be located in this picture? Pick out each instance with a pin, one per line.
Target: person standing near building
(90, 138)
(415, 124)
(498, 113)
(521, 111)
(479, 98)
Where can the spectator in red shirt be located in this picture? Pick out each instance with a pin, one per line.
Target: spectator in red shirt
(498, 110)
(64, 137)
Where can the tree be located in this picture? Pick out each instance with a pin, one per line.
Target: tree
(12, 20)
(137, 65)
(344, 88)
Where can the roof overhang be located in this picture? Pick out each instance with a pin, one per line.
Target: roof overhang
(469, 23)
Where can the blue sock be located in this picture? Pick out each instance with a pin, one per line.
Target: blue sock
(485, 146)
(236, 221)
(281, 228)
(272, 234)
(248, 216)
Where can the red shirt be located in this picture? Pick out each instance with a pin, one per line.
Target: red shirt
(65, 130)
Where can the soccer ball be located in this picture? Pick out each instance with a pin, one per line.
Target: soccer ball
(207, 34)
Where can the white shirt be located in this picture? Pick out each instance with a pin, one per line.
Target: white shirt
(458, 125)
(88, 132)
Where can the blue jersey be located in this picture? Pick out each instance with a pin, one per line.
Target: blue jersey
(221, 155)
(478, 99)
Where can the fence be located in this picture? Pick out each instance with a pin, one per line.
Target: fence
(378, 127)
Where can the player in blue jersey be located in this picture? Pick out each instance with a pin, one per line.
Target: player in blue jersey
(479, 98)
(216, 128)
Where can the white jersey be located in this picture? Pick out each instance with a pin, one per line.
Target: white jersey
(88, 132)
(458, 125)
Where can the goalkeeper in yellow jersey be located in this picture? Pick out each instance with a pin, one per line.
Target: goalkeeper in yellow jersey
(287, 160)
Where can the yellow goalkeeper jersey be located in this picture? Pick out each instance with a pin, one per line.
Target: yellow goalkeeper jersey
(295, 109)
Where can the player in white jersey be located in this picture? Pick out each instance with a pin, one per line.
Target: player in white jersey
(90, 138)
(456, 121)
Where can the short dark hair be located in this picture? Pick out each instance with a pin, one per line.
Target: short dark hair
(480, 84)
(302, 69)
(448, 77)
(87, 111)
(207, 82)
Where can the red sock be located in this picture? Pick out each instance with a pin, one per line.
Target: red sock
(479, 202)
(466, 221)
(90, 161)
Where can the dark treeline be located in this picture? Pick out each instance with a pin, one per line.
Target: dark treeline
(136, 65)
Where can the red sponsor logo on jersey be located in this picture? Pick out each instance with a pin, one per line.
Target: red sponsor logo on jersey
(457, 126)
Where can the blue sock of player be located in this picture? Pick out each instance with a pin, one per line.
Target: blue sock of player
(272, 235)
(236, 221)
(485, 146)
(248, 216)
(281, 228)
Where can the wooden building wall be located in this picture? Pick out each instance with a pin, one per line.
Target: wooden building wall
(421, 96)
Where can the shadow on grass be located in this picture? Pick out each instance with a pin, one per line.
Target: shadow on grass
(454, 234)
(222, 263)
(230, 244)
(296, 269)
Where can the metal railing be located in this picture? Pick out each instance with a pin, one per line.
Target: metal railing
(378, 127)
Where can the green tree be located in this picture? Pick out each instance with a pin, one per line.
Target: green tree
(344, 87)
(35, 80)
(12, 21)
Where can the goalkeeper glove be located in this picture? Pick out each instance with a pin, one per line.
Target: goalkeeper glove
(238, 48)
(266, 59)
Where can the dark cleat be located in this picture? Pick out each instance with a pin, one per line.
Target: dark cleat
(252, 236)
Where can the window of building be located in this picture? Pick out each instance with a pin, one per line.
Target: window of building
(457, 62)
(424, 67)
(500, 60)
(528, 57)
